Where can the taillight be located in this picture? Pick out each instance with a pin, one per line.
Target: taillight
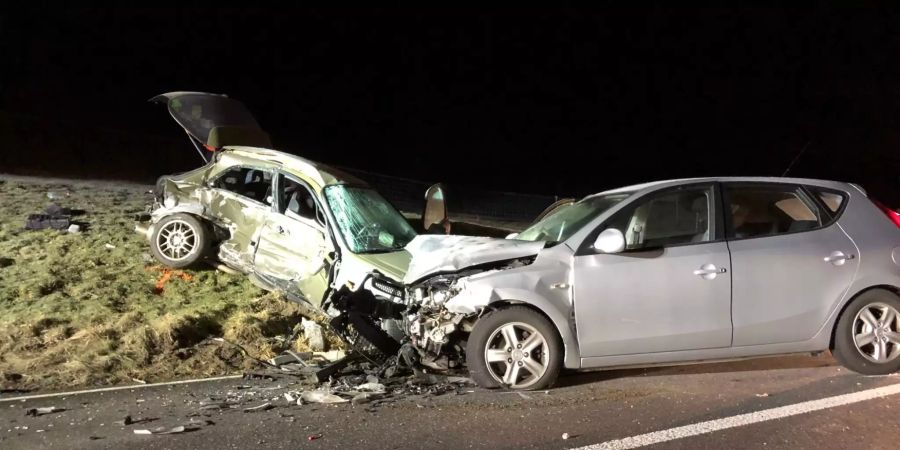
(890, 213)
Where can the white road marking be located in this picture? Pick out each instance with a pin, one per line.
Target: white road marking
(743, 419)
(116, 388)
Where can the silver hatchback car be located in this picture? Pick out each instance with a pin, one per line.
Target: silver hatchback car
(673, 272)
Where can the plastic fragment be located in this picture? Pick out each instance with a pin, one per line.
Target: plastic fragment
(321, 397)
(161, 430)
(263, 407)
(34, 412)
(371, 387)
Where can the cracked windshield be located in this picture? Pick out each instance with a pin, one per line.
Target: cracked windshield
(367, 222)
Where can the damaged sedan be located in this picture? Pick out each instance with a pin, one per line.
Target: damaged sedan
(290, 224)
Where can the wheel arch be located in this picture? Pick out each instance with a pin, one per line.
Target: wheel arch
(571, 354)
(885, 287)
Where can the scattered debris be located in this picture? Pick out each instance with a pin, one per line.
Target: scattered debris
(263, 407)
(74, 228)
(313, 437)
(55, 210)
(566, 436)
(163, 430)
(371, 387)
(34, 412)
(314, 335)
(124, 422)
(764, 394)
(110, 246)
(46, 221)
(52, 195)
(321, 397)
(366, 397)
(165, 274)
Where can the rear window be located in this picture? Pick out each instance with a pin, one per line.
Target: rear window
(833, 200)
(757, 210)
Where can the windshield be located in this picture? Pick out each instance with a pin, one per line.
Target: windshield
(557, 227)
(368, 223)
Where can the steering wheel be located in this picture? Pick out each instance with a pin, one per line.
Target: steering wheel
(370, 232)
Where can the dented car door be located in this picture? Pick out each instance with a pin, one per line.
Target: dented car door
(239, 199)
(293, 250)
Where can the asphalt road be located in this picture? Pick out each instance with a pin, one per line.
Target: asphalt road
(591, 407)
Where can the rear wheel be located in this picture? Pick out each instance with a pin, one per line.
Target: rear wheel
(867, 336)
(514, 347)
(179, 241)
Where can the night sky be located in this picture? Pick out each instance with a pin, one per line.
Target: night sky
(557, 101)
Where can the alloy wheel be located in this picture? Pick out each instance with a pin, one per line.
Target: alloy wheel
(177, 240)
(876, 332)
(517, 355)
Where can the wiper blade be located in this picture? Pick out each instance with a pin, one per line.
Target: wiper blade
(382, 250)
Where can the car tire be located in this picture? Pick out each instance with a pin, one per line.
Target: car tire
(862, 320)
(541, 359)
(179, 241)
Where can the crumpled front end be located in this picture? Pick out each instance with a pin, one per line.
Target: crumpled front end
(431, 317)
(443, 309)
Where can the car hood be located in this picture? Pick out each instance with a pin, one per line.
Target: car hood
(432, 254)
(393, 264)
(214, 120)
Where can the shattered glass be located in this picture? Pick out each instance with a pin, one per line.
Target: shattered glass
(368, 223)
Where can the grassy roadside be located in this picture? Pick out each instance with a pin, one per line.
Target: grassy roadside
(83, 309)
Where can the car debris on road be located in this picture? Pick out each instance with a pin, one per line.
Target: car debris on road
(35, 412)
(163, 430)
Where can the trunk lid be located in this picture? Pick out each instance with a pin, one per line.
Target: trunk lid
(214, 120)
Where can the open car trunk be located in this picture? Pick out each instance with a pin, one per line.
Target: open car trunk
(214, 120)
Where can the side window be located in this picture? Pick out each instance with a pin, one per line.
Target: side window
(296, 201)
(767, 210)
(255, 184)
(677, 217)
(831, 199)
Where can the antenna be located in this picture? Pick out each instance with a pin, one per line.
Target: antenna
(796, 158)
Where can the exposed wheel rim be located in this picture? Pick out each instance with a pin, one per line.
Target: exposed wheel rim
(177, 240)
(876, 332)
(517, 355)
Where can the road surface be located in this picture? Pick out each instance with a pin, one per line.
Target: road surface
(592, 408)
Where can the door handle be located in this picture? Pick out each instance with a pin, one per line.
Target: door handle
(838, 258)
(709, 271)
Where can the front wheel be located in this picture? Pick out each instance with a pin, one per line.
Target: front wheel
(514, 347)
(179, 241)
(867, 336)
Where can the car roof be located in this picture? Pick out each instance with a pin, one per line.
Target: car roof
(321, 173)
(653, 185)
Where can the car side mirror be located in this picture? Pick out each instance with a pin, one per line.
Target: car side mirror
(610, 240)
(435, 210)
